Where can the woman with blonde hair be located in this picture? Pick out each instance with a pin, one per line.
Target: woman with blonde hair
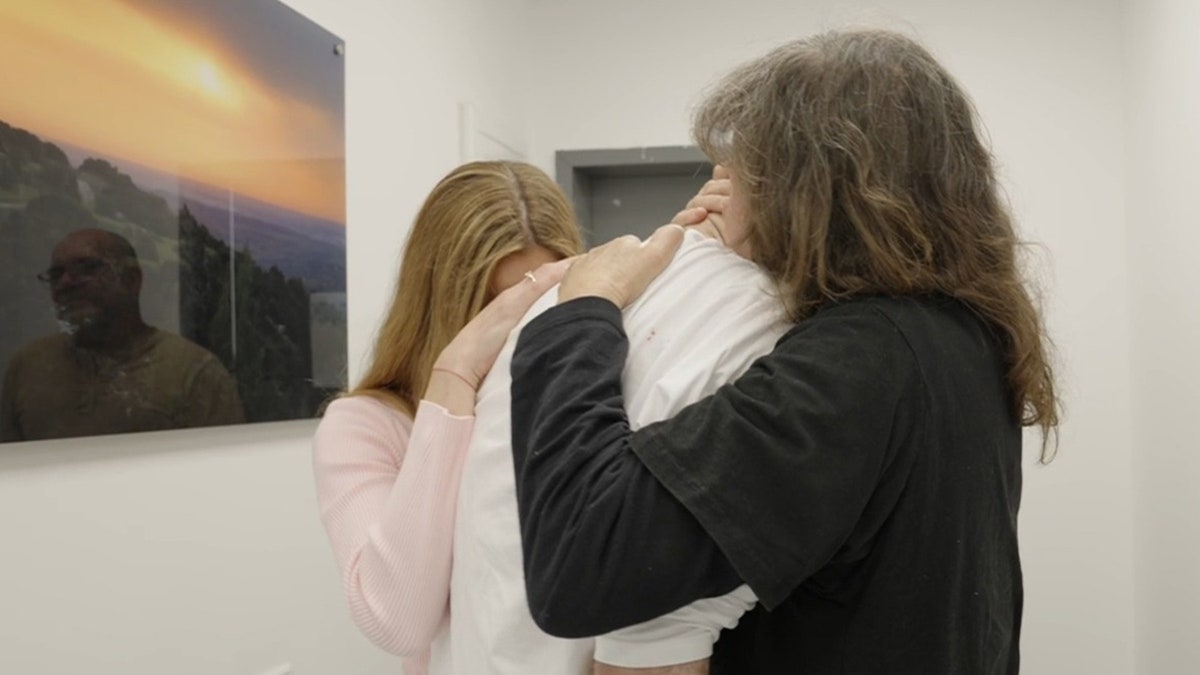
(388, 454)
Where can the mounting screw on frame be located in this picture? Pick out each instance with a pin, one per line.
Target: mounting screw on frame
(339, 48)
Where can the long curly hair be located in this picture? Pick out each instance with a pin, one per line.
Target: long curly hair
(865, 174)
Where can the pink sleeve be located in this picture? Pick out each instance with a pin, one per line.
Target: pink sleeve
(388, 489)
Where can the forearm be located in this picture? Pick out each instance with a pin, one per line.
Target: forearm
(398, 585)
(391, 529)
(598, 530)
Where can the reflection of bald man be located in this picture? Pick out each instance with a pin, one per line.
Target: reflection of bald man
(108, 372)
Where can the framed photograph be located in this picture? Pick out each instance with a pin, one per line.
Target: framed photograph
(172, 215)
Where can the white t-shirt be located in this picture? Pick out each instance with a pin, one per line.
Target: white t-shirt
(697, 327)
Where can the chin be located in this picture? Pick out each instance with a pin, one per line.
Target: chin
(72, 321)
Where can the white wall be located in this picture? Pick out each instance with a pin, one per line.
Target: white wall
(200, 552)
(1164, 238)
(1046, 78)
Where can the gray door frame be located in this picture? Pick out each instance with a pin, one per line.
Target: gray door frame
(575, 169)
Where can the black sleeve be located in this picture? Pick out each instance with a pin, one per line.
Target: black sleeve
(777, 468)
(800, 461)
(605, 545)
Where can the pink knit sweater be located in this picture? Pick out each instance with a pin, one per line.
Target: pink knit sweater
(387, 486)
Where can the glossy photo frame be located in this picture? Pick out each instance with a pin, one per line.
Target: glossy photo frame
(172, 216)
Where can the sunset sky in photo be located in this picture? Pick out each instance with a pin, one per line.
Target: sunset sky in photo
(245, 95)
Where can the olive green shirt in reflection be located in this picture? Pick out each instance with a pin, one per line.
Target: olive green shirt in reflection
(53, 389)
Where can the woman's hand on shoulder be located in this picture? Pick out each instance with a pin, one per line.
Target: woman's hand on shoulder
(464, 362)
(620, 270)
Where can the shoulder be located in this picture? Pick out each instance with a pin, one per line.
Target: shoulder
(909, 319)
(859, 347)
(180, 348)
(707, 290)
(45, 346)
(705, 274)
(34, 357)
(361, 411)
(896, 338)
(859, 324)
(933, 329)
(361, 425)
(174, 355)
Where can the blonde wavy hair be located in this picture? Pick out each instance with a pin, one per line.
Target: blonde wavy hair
(865, 174)
(474, 217)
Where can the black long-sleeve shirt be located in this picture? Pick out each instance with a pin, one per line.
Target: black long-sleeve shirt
(863, 479)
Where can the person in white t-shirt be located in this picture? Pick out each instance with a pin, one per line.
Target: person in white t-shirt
(698, 326)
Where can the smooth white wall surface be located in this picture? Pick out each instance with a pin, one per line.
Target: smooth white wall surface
(1046, 77)
(1164, 238)
(200, 552)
